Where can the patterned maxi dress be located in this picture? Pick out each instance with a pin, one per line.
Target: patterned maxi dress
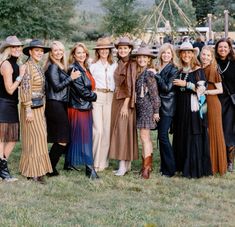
(34, 161)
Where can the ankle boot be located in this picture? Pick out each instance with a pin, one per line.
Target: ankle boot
(147, 167)
(230, 158)
(4, 171)
(55, 153)
(91, 173)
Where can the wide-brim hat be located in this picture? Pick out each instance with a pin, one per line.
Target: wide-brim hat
(103, 43)
(35, 44)
(10, 42)
(187, 46)
(144, 51)
(124, 41)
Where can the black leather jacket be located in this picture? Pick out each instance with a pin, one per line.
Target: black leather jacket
(166, 90)
(57, 82)
(81, 96)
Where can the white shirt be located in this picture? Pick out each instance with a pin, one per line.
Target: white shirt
(103, 75)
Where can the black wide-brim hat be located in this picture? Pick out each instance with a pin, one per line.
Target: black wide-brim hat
(35, 43)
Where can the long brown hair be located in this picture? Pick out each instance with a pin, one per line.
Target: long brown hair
(194, 61)
(109, 59)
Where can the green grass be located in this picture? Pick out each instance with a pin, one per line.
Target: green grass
(73, 200)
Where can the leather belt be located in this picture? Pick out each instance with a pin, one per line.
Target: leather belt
(104, 90)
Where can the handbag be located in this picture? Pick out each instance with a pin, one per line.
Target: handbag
(37, 102)
(232, 96)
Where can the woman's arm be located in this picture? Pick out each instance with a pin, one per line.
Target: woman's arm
(124, 109)
(218, 90)
(7, 71)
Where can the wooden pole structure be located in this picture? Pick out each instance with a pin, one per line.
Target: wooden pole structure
(209, 15)
(226, 23)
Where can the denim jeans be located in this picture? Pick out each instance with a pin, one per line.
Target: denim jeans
(166, 151)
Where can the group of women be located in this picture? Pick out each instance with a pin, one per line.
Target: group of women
(91, 112)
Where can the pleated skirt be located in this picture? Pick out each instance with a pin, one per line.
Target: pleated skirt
(80, 147)
(34, 160)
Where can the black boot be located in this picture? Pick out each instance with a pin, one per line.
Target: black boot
(91, 173)
(4, 172)
(55, 153)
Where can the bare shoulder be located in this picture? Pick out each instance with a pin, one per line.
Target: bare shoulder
(6, 67)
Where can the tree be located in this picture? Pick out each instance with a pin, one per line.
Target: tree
(36, 18)
(122, 16)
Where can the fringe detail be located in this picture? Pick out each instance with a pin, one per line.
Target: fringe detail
(9, 132)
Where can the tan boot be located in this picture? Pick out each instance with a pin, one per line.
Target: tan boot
(147, 167)
(230, 158)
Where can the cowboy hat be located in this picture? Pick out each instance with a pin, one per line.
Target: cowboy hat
(103, 43)
(187, 46)
(124, 41)
(144, 51)
(10, 42)
(35, 43)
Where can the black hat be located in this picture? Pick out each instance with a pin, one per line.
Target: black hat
(33, 44)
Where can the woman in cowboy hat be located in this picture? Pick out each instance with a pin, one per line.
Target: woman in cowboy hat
(147, 106)
(57, 97)
(123, 142)
(102, 70)
(10, 79)
(34, 161)
(190, 140)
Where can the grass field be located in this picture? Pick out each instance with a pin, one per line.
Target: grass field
(73, 200)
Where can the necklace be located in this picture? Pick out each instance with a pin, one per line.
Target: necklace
(222, 71)
(185, 77)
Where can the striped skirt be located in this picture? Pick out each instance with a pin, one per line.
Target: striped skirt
(80, 147)
(34, 160)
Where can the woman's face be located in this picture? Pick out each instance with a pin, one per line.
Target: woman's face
(16, 51)
(223, 50)
(142, 61)
(166, 56)
(186, 56)
(104, 53)
(124, 51)
(57, 53)
(206, 57)
(80, 55)
(36, 54)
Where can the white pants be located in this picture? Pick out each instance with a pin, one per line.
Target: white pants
(101, 129)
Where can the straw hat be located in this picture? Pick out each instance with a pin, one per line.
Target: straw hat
(187, 46)
(103, 43)
(144, 51)
(10, 42)
(124, 41)
(34, 44)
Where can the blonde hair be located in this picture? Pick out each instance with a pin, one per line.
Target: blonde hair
(162, 49)
(149, 65)
(212, 51)
(194, 61)
(109, 59)
(72, 52)
(6, 54)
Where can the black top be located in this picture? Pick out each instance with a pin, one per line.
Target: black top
(3, 93)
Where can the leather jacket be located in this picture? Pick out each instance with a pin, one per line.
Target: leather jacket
(57, 84)
(81, 96)
(166, 90)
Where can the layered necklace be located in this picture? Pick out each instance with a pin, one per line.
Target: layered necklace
(222, 71)
(185, 71)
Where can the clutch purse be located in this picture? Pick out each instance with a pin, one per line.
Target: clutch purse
(37, 103)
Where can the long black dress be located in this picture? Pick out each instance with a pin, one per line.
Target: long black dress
(190, 139)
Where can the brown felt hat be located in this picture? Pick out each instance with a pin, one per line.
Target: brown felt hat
(144, 51)
(103, 43)
(124, 41)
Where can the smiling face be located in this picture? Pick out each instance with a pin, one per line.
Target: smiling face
(80, 55)
(123, 51)
(36, 53)
(16, 51)
(57, 52)
(206, 57)
(223, 50)
(104, 53)
(186, 56)
(166, 56)
(142, 61)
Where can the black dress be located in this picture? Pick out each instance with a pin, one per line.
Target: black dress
(228, 108)
(190, 139)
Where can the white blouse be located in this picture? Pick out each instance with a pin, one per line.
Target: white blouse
(103, 75)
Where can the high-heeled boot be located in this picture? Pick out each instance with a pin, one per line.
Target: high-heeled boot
(91, 173)
(147, 167)
(4, 171)
(230, 158)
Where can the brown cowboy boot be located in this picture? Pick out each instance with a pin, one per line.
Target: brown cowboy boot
(147, 167)
(230, 158)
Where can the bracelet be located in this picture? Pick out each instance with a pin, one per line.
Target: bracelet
(19, 78)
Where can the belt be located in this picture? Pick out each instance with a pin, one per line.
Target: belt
(104, 90)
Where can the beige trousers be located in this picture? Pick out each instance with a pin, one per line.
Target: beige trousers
(101, 129)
